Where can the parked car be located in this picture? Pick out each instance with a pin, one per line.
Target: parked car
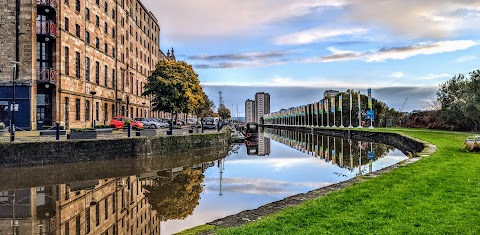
(191, 121)
(209, 123)
(149, 123)
(119, 122)
(162, 122)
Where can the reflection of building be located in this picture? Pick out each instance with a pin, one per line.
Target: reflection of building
(68, 49)
(249, 111)
(262, 105)
(263, 145)
(330, 93)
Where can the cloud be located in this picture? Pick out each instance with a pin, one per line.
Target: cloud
(393, 53)
(465, 59)
(432, 19)
(241, 60)
(193, 19)
(397, 75)
(315, 35)
(436, 76)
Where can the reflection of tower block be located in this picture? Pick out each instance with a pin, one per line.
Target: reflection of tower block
(252, 147)
(252, 131)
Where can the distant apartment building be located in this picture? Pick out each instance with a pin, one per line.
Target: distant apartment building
(330, 93)
(78, 60)
(263, 145)
(249, 111)
(262, 105)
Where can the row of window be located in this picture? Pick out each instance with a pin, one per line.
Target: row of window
(78, 108)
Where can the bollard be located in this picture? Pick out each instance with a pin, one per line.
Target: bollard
(57, 134)
(202, 128)
(128, 130)
(170, 131)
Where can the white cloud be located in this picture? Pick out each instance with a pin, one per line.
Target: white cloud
(465, 59)
(193, 19)
(436, 76)
(397, 75)
(315, 35)
(422, 19)
(395, 53)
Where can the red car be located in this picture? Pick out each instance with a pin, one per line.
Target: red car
(119, 122)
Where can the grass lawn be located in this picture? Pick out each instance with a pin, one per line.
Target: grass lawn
(438, 195)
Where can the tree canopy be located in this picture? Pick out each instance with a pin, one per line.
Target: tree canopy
(174, 87)
(205, 107)
(223, 112)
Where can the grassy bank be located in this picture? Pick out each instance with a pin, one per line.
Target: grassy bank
(437, 195)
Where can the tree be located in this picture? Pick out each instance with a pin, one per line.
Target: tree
(175, 87)
(205, 107)
(223, 112)
(175, 198)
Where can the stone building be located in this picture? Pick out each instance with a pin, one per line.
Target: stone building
(78, 60)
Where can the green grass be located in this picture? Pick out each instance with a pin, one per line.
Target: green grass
(438, 195)
(197, 230)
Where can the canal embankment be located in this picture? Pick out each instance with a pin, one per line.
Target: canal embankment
(67, 151)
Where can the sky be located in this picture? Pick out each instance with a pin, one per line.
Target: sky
(295, 49)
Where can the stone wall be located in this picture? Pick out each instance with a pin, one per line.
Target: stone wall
(38, 153)
(407, 145)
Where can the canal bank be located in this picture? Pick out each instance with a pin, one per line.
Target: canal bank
(45, 153)
(227, 225)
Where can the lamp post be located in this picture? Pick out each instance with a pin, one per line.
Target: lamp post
(12, 121)
(14, 202)
(93, 93)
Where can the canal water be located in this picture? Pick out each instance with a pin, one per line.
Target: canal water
(165, 195)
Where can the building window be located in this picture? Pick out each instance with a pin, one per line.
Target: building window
(67, 228)
(97, 21)
(105, 81)
(77, 65)
(105, 29)
(106, 208)
(97, 2)
(97, 214)
(77, 5)
(113, 111)
(113, 78)
(77, 109)
(77, 30)
(105, 114)
(77, 225)
(87, 220)
(87, 110)
(87, 69)
(97, 43)
(87, 37)
(106, 48)
(106, 7)
(66, 61)
(97, 72)
(97, 111)
(87, 14)
(67, 23)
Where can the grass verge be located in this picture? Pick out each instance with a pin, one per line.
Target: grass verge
(437, 195)
(197, 230)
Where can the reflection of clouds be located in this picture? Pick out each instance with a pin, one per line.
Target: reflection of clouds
(261, 186)
(282, 163)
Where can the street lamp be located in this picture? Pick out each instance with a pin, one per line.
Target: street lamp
(12, 121)
(93, 93)
(14, 202)
(119, 101)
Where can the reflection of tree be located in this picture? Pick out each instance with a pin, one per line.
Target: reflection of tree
(177, 198)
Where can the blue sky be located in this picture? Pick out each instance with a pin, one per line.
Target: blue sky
(277, 44)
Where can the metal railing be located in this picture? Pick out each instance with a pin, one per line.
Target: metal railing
(47, 75)
(51, 3)
(46, 27)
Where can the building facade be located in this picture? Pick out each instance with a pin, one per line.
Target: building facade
(262, 105)
(249, 111)
(78, 61)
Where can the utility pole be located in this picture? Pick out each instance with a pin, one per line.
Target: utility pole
(221, 98)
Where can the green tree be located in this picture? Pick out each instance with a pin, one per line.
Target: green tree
(459, 101)
(175, 87)
(223, 112)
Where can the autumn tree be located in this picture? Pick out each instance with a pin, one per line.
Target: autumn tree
(223, 112)
(175, 198)
(175, 87)
(205, 107)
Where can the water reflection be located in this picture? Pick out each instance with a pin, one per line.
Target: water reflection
(121, 205)
(345, 153)
(159, 196)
